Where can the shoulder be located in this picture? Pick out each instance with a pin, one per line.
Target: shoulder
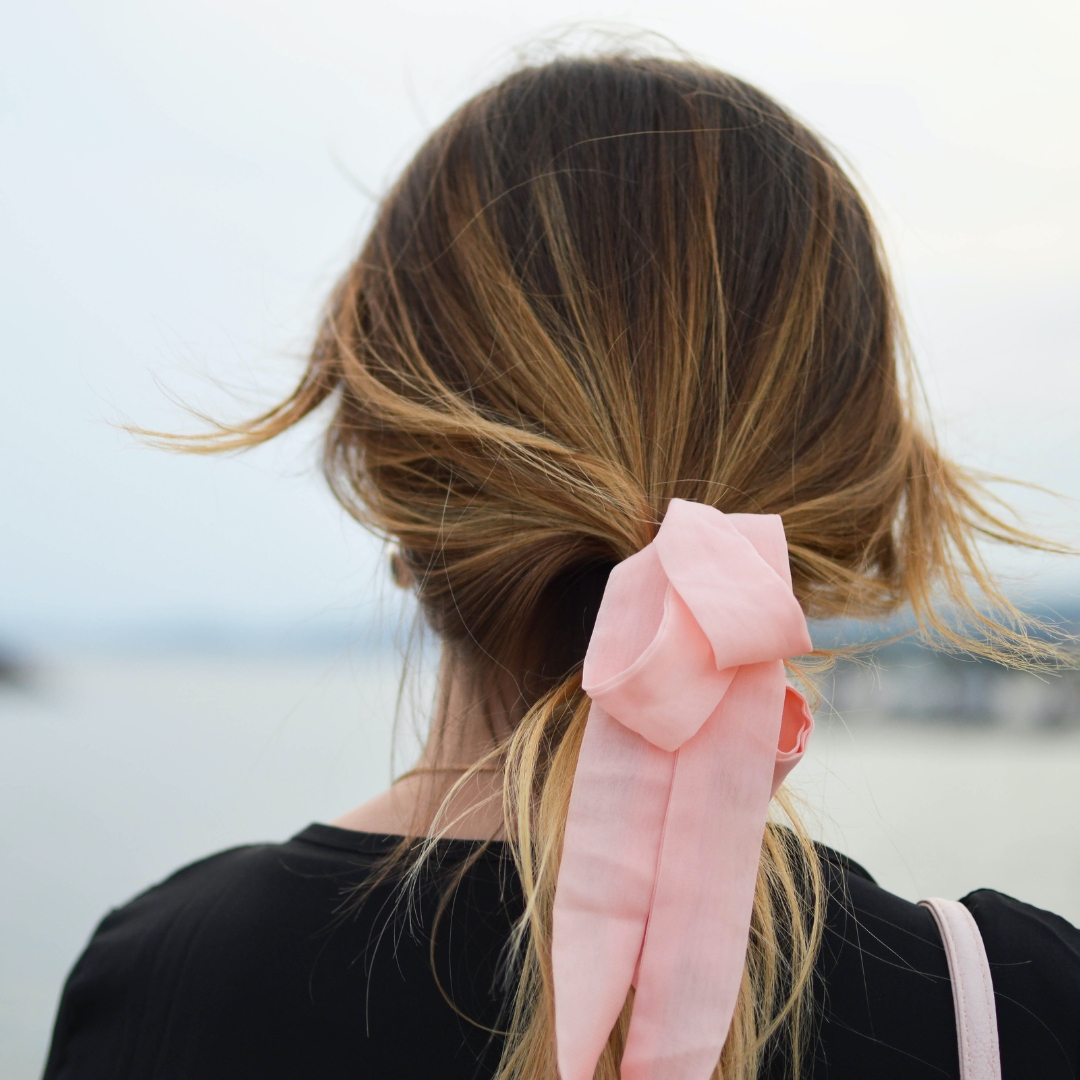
(258, 961)
(1034, 959)
(234, 893)
(219, 930)
(885, 995)
(1026, 939)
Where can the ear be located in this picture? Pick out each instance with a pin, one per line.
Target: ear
(400, 573)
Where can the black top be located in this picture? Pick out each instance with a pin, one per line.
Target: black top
(253, 964)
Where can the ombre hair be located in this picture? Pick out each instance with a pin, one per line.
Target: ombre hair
(601, 284)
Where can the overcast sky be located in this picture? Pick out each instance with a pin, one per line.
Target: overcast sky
(182, 182)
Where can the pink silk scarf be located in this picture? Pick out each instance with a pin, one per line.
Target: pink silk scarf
(692, 729)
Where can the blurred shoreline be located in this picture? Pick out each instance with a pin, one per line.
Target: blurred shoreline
(893, 678)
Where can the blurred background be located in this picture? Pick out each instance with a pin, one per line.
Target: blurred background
(199, 653)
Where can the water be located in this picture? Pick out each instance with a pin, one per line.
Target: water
(117, 770)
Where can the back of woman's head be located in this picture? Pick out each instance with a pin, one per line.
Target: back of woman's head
(602, 284)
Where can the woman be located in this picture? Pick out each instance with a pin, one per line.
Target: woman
(616, 316)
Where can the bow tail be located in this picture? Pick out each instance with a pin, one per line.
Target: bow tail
(611, 846)
(694, 951)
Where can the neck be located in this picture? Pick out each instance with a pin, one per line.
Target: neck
(438, 796)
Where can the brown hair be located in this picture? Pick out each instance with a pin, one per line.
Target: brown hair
(601, 284)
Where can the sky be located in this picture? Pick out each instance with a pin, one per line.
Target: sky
(183, 182)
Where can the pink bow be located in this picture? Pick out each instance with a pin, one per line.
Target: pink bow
(691, 731)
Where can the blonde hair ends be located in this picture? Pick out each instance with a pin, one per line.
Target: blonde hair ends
(603, 283)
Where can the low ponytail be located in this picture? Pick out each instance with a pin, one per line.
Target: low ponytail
(602, 284)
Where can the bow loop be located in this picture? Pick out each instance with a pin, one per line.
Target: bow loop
(660, 681)
(732, 571)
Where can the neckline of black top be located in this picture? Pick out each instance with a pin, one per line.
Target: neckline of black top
(366, 843)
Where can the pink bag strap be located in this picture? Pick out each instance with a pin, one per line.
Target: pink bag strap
(972, 988)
